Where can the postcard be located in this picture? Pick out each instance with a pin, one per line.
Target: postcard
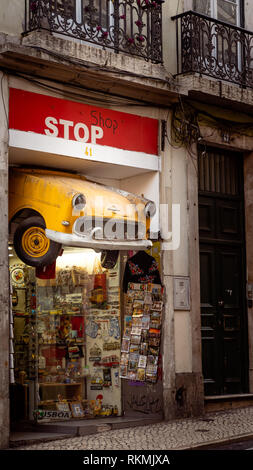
(142, 362)
(125, 345)
(140, 375)
(135, 339)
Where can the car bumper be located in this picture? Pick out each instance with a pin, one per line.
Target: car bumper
(102, 244)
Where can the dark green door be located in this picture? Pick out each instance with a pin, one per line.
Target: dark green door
(222, 272)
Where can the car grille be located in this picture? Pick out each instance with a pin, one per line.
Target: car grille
(110, 228)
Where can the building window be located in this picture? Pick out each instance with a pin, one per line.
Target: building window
(223, 10)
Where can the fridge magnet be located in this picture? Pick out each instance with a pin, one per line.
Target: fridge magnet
(107, 377)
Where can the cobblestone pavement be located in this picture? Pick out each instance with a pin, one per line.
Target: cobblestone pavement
(173, 435)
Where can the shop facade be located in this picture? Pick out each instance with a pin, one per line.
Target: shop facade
(85, 340)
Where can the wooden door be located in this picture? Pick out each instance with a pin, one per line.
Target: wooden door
(222, 273)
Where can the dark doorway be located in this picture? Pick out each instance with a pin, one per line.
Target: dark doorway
(222, 272)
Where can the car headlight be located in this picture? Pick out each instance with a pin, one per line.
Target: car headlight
(150, 208)
(78, 202)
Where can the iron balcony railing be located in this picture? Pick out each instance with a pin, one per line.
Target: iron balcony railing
(130, 26)
(214, 48)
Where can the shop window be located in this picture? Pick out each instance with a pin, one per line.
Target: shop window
(82, 335)
(66, 337)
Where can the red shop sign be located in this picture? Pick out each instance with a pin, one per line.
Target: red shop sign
(56, 117)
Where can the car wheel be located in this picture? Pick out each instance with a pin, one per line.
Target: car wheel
(109, 258)
(31, 244)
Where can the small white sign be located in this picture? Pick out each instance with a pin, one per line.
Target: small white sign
(181, 293)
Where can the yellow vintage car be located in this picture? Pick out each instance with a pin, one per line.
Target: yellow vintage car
(49, 209)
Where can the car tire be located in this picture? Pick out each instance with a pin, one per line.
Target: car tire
(31, 244)
(109, 258)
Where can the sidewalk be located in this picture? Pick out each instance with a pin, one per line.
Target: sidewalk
(196, 433)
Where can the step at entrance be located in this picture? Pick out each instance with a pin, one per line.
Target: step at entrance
(225, 402)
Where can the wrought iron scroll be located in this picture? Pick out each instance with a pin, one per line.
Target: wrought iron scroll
(214, 48)
(130, 26)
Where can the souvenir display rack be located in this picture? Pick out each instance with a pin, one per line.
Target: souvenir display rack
(142, 332)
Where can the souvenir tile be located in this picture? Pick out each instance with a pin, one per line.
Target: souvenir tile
(140, 375)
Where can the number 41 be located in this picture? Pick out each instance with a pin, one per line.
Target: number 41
(88, 151)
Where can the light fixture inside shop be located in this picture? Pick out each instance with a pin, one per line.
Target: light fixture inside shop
(83, 257)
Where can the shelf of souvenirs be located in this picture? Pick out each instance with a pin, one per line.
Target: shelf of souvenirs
(60, 384)
(64, 345)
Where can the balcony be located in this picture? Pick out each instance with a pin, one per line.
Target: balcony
(214, 48)
(129, 26)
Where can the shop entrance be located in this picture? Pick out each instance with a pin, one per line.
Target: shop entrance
(222, 272)
(72, 354)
